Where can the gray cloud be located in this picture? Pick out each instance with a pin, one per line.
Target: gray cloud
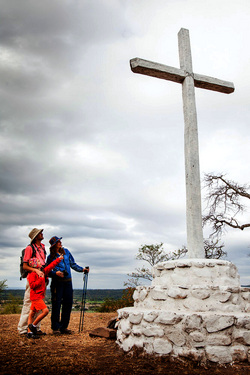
(94, 153)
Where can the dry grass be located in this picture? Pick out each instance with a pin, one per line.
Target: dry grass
(80, 354)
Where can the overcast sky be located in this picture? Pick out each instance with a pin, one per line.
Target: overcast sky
(93, 152)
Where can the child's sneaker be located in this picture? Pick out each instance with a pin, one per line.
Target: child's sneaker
(32, 328)
(31, 335)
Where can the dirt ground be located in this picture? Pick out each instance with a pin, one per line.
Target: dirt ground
(80, 354)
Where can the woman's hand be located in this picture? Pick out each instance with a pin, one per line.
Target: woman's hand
(61, 257)
(59, 273)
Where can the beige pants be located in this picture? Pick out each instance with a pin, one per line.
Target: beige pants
(23, 322)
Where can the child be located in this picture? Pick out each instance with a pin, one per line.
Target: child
(37, 294)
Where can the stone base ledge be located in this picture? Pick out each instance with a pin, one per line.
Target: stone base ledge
(193, 298)
(202, 272)
(203, 336)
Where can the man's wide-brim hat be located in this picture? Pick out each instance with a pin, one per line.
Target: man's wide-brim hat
(34, 233)
(54, 240)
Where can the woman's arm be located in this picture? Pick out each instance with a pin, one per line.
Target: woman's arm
(73, 264)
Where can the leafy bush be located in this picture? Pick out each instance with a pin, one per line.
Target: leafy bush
(110, 304)
(3, 286)
(11, 306)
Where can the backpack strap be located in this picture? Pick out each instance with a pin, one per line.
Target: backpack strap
(34, 251)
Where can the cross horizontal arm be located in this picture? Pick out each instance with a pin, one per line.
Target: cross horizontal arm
(214, 84)
(169, 73)
(153, 69)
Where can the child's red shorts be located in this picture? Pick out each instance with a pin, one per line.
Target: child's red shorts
(38, 305)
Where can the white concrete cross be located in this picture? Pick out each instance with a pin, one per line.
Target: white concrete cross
(189, 80)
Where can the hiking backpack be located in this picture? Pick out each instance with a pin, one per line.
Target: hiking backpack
(24, 273)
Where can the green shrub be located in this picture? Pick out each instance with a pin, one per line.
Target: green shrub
(11, 306)
(111, 305)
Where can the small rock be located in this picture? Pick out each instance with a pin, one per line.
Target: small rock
(107, 333)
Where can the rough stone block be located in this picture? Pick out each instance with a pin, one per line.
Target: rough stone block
(176, 336)
(218, 323)
(183, 265)
(197, 336)
(135, 318)
(122, 314)
(142, 295)
(136, 295)
(125, 326)
(127, 344)
(137, 331)
(243, 322)
(177, 293)
(153, 331)
(235, 300)
(202, 273)
(120, 336)
(196, 340)
(246, 296)
(246, 337)
(192, 322)
(169, 318)
(159, 295)
(162, 346)
(233, 272)
(222, 296)
(199, 265)
(234, 289)
(219, 354)
(151, 316)
(160, 266)
(218, 339)
(200, 293)
(169, 265)
(238, 352)
(210, 264)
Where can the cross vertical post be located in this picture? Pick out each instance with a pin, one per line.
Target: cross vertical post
(189, 81)
(192, 165)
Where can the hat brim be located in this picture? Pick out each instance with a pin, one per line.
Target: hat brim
(36, 234)
(59, 239)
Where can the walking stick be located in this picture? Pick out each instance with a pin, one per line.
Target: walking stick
(84, 293)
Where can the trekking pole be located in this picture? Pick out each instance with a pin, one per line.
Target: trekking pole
(84, 293)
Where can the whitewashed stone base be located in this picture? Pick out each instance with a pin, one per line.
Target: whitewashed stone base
(188, 313)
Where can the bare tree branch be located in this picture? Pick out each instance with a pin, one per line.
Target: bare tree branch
(224, 202)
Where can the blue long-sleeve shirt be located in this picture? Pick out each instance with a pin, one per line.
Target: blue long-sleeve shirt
(65, 265)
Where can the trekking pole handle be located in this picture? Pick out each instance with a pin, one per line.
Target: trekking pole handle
(87, 268)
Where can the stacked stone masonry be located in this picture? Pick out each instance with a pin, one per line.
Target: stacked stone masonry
(189, 313)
